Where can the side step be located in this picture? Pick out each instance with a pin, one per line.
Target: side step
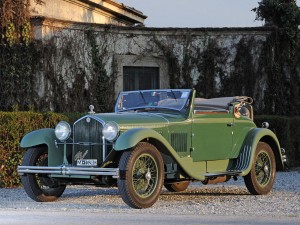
(217, 174)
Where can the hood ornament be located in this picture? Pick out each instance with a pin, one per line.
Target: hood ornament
(91, 112)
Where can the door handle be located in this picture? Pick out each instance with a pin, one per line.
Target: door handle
(230, 124)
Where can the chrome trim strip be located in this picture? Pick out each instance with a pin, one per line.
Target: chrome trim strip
(67, 170)
(90, 116)
(103, 149)
(80, 143)
(229, 172)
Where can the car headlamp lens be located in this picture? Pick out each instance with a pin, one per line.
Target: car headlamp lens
(62, 131)
(110, 131)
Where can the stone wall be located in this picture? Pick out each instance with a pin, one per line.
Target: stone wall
(217, 62)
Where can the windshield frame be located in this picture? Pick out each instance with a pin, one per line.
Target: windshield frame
(141, 93)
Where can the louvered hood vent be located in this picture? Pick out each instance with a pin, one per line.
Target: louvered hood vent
(179, 141)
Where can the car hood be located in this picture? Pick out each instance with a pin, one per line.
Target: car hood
(130, 120)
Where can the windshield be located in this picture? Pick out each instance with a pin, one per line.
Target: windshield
(174, 99)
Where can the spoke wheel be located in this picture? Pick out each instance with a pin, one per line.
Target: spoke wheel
(39, 187)
(262, 168)
(261, 178)
(141, 177)
(177, 186)
(145, 175)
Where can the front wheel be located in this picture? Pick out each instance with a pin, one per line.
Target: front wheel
(261, 177)
(141, 176)
(40, 187)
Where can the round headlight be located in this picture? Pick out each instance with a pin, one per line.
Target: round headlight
(110, 131)
(62, 131)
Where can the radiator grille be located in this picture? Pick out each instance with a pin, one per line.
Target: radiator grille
(88, 143)
(179, 141)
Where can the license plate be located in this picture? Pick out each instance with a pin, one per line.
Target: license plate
(87, 162)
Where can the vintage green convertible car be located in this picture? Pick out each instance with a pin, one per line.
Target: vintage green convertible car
(154, 138)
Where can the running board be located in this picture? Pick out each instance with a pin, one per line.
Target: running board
(217, 174)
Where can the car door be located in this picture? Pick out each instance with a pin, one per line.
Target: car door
(242, 125)
(212, 135)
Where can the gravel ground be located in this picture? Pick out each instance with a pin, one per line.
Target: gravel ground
(230, 199)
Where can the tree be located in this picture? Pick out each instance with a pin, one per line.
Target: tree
(283, 77)
(285, 14)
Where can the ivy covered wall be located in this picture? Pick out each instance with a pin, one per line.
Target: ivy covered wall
(77, 65)
(67, 66)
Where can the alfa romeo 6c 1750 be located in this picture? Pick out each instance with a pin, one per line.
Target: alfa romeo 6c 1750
(154, 138)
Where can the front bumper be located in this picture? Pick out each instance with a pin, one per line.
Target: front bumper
(68, 170)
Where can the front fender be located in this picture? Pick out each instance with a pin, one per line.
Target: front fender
(254, 136)
(44, 137)
(39, 137)
(133, 136)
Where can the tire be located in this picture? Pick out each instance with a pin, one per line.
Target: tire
(261, 177)
(177, 186)
(141, 176)
(39, 187)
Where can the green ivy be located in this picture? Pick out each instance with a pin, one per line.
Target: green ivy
(102, 85)
(210, 64)
(168, 50)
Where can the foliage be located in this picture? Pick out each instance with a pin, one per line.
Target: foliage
(284, 14)
(15, 25)
(102, 85)
(21, 65)
(168, 49)
(284, 48)
(210, 63)
(13, 126)
(14, 22)
(287, 130)
(65, 80)
(18, 56)
(17, 68)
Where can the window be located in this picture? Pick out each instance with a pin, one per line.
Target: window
(140, 78)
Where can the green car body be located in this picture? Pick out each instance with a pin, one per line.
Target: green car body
(208, 140)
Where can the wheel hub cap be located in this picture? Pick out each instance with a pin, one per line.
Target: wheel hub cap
(148, 175)
(266, 169)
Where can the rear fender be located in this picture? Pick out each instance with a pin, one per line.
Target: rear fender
(246, 157)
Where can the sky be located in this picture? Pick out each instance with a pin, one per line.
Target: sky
(197, 13)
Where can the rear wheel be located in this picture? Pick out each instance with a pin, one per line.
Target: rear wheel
(141, 176)
(40, 187)
(261, 177)
(177, 186)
